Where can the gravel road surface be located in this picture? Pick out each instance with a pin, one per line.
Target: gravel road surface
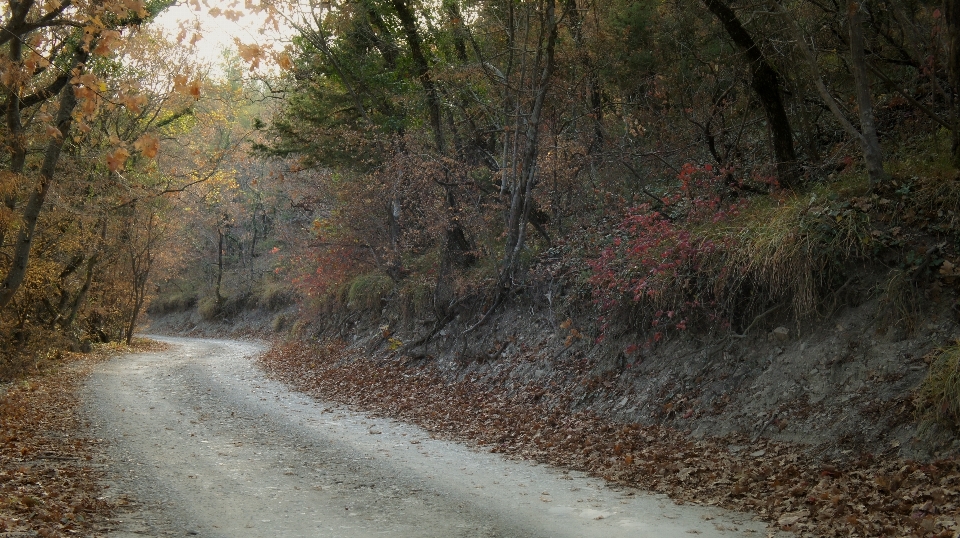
(203, 444)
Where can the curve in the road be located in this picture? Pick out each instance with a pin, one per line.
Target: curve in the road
(208, 446)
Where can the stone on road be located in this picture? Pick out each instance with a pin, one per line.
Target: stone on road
(204, 444)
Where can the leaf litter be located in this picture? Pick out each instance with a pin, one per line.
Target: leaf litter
(866, 496)
(49, 479)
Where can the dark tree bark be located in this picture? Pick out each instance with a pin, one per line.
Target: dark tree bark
(31, 213)
(766, 83)
(594, 100)
(141, 263)
(218, 297)
(14, 32)
(457, 245)
(521, 199)
(869, 141)
(452, 8)
(408, 22)
(383, 40)
(951, 16)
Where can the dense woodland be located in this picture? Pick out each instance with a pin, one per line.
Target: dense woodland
(664, 165)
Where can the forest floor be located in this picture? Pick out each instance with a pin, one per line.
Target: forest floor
(50, 466)
(863, 472)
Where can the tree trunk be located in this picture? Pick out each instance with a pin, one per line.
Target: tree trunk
(31, 213)
(81, 295)
(521, 195)
(394, 264)
(594, 101)
(18, 148)
(408, 22)
(459, 30)
(951, 16)
(216, 291)
(766, 84)
(869, 141)
(17, 144)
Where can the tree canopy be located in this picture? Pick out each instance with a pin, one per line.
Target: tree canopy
(453, 152)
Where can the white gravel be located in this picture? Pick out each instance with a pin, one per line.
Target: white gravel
(204, 444)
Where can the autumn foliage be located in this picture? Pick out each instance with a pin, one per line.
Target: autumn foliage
(651, 147)
(89, 94)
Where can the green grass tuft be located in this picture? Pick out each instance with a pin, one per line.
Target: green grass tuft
(937, 399)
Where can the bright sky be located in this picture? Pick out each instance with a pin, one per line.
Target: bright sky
(218, 33)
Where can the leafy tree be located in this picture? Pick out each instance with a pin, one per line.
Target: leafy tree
(49, 50)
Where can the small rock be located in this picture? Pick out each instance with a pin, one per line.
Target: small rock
(781, 333)
(758, 453)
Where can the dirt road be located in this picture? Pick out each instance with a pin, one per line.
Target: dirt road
(203, 444)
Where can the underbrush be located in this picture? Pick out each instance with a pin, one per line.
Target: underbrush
(937, 399)
(428, 287)
(171, 303)
(709, 250)
(46, 349)
(18, 362)
(725, 261)
(368, 290)
(713, 262)
(268, 295)
(27, 349)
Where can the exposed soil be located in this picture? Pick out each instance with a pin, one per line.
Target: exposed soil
(841, 387)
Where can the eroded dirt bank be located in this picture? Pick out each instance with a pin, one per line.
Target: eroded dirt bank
(205, 445)
(838, 388)
(501, 406)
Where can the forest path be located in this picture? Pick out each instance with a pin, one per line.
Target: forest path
(204, 444)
